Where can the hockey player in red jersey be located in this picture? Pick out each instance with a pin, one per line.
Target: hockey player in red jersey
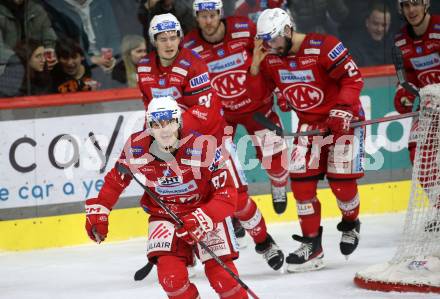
(419, 41)
(226, 46)
(322, 84)
(195, 184)
(179, 72)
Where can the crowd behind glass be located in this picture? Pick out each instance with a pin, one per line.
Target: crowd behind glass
(61, 46)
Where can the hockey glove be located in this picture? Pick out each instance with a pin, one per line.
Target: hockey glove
(96, 220)
(403, 100)
(198, 223)
(338, 121)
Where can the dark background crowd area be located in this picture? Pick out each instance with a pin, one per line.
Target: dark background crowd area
(61, 46)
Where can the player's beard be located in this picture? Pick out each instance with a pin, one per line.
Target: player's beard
(214, 32)
(288, 46)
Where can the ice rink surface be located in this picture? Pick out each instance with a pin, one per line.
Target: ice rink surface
(106, 271)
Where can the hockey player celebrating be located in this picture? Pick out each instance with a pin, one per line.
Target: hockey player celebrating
(226, 45)
(178, 72)
(200, 190)
(420, 46)
(322, 84)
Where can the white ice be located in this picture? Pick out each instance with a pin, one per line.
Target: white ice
(106, 270)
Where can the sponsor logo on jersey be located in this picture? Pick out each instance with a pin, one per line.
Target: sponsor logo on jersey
(145, 79)
(274, 61)
(189, 43)
(184, 62)
(221, 52)
(144, 69)
(312, 51)
(199, 80)
(137, 150)
(179, 189)
(164, 92)
(193, 151)
(226, 64)
(434, 35)
(419, 50)
(217, 158)
(436, 26)
(179, 70)
(306, 61)
(198, 49)
(175, 79)
(287, 76)
(241, 25)
(293, 64)
(161, 81)
(304, 96)
(144, 60)
(425, 62)
(167, 172)
(160, 235)
(230, 84)
(429, 77)
(315, 42)
(240, 34)
(336, 52)
(170, 180)
(199, 114)
(400, 43)
(237, 44)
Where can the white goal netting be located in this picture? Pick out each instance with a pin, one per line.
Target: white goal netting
(416, 264)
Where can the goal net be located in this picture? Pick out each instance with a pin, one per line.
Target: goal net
(415, 266)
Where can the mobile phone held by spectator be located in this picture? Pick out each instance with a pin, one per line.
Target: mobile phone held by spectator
(50, 57)
(107, 53)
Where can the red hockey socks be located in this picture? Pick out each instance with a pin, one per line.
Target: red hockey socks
(307, 205)
(347, 195)
(222, 282)
(173, 277)
(250, 218)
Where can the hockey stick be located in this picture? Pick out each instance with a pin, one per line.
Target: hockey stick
(143, 272)
(264, 121)
(400, 71)
(126, 170)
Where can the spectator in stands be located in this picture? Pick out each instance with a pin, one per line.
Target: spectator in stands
(95, 28)
(133, 48)
(37, 78)
(372, 45)
(181, 9)
(253, 8)
(72, 74)
(318, 16)
(16, 26)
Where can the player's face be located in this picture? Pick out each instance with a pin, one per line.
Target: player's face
(277, 46)
(378, 24)
(413, 11)
(209, 21)
(137, 53)
(36, 62)
(167, 44)
(166, 133)
(71, 65)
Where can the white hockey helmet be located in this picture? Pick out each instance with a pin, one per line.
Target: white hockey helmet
(163, 108)
(427, 3)
(200, 5)
(163, 23)
(272, 22)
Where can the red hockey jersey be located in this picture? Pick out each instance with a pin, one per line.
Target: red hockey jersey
(320, 76)
(196, 176)
(187, 80)
(421, 55)
(228, 62)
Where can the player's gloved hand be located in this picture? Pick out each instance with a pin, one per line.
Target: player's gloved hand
(338, 121)
(198, 223)
(282, 102)
(403, 100)
(96, 220)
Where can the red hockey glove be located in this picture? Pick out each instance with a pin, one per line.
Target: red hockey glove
(403, 100)
(96, 220)
(338, 121)
(197, 223)
(282, 102)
